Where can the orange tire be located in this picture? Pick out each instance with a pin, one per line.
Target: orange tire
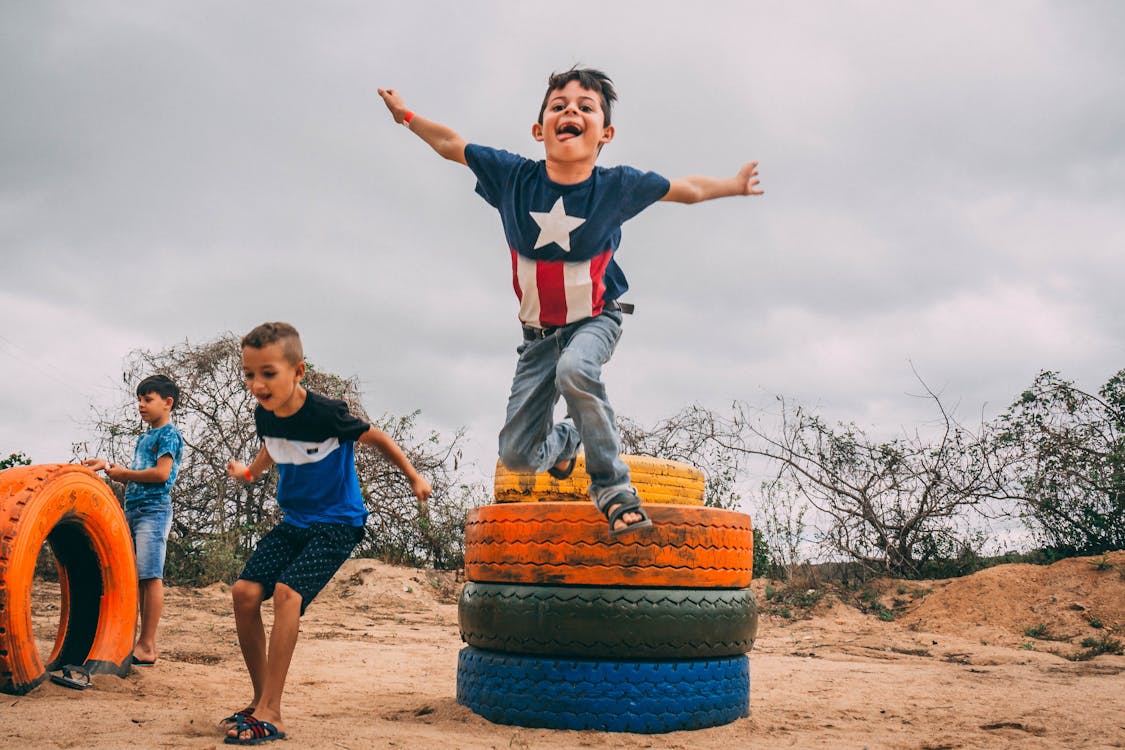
(569, 543)
(68, 507)
(656, 480)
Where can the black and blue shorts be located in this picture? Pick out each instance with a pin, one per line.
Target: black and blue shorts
(304, 559)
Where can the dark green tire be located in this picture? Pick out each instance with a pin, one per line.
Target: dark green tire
(617, 623)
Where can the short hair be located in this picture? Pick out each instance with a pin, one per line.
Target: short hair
(588, 78)
(277, 333)
(162, 386)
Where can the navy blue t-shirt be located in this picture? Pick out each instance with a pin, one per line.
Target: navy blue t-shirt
(562, 238)
(314, 450)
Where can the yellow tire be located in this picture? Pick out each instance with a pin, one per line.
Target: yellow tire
(657, 481)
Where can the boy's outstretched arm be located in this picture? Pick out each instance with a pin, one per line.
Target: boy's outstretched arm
(389, 448)
(696, 189)
(441, 138)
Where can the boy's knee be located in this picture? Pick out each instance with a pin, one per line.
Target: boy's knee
(283, 596)
(246, 593)
(574, 375)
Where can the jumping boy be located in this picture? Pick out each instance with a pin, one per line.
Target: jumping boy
(311, 439)
(148, 501)
(562, 221)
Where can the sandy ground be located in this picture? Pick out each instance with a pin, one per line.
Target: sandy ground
(377, 660)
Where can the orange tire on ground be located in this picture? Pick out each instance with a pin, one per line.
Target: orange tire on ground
(657, 480)
(72, 510)
(569, 543)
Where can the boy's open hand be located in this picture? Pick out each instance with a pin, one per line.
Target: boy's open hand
(748, 179)
(112, 471)
(394, 104)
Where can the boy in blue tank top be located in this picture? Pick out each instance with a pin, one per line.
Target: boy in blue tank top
(311, 439)
(562, 220)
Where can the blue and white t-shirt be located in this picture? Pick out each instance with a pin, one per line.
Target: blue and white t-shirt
(314, 450)
(562, 238)
(151, 445)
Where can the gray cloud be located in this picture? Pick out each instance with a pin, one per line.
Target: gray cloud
(944, 184)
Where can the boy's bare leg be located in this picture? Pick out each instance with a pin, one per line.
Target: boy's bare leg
(150, 591)
(248, 597)
(282, 642)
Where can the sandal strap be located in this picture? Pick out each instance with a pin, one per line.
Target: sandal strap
(626, 502)
(565, 472)
(258, 729)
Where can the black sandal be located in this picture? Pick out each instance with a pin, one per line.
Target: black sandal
(73, 676)
(564, 472)
(626, 502)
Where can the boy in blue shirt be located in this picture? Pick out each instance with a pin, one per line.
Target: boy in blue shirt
(311, 438)
(562, 221)
(148, 501)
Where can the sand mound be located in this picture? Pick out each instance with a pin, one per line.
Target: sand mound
(1065, 602)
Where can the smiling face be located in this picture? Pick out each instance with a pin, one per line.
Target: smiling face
(154, 409)
(273, 379)
(573, 127)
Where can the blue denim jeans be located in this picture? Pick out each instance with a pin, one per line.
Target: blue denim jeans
(566, 363)
(150, 527)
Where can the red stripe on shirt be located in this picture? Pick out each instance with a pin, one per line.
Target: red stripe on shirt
(552, 293)
(597, 274)
(515, 275)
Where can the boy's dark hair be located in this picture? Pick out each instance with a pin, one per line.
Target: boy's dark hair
(277, 333)
(588, 78)
(162, 386)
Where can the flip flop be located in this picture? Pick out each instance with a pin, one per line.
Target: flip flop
(143, 662)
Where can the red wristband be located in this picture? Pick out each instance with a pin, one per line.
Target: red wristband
(249, 476)
(407, 118)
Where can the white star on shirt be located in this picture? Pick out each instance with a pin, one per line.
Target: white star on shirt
(555, 226)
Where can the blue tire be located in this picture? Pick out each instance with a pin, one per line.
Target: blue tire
(647, 697)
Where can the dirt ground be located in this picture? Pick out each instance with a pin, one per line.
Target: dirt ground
(985, 661)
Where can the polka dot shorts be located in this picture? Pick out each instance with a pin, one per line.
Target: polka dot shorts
(303, 559)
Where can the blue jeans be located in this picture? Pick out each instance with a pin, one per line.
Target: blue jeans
(149, 527)
(566, 363)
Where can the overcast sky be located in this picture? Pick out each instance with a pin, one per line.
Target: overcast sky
(945, 191)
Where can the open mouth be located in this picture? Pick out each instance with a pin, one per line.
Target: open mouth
(568, 131)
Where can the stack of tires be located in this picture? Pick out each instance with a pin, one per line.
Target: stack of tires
(570, 628)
